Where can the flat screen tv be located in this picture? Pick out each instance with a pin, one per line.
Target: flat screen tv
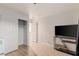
(66, 30)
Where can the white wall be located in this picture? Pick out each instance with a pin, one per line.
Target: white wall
(9, 28)
(46, 25)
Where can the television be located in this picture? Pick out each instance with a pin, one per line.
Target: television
(66, 30)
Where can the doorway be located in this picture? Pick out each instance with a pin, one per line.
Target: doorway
(22, 32)
(33, 32)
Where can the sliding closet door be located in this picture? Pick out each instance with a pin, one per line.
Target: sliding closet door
(20, 32)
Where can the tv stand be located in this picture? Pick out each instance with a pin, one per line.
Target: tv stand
(64, 48)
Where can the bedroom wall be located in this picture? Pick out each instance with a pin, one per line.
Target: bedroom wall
(9, 28)
(46, 25)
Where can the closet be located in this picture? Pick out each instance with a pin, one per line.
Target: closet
(22, 32)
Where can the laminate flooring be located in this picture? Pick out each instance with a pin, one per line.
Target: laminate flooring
(22, 51)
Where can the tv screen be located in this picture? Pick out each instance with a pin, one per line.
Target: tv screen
(66, 30)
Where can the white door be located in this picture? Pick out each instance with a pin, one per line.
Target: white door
(33, 32)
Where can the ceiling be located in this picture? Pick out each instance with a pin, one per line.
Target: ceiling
(20, 7)
(41, 9)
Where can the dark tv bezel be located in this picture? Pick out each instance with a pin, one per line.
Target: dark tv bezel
(65, 35)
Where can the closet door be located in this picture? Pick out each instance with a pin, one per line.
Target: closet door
(20, 32)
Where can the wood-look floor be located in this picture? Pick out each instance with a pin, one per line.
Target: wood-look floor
(22, 51)
(26, 51)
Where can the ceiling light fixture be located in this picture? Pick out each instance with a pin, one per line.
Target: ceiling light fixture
(34, 3)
